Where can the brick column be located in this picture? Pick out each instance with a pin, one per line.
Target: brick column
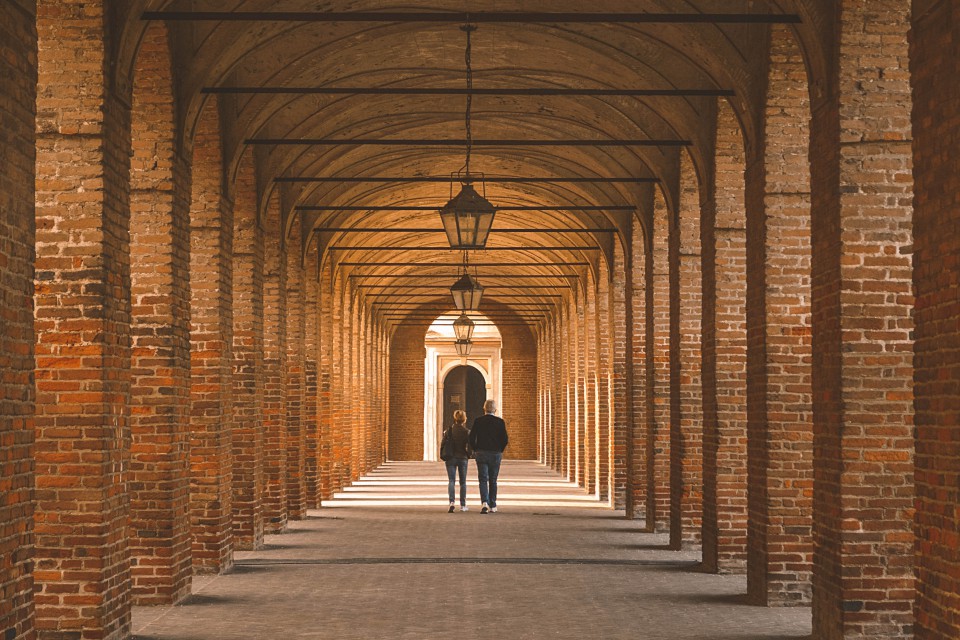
(211, 358)
(274, 365)
(159, 475)
(658, 371)
(593, 410)
(862, 190)
(622, 371)
(293, 379)
(82, 562)
(637, 438)
(779, 414)
(935, 55)
(18, 67)
(580, 409)
(686, 408)
(724, 373)
(311, 346)
(325, 381)
(248, 433)
(605, 364)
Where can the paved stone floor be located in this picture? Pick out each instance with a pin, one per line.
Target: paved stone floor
(385, 560)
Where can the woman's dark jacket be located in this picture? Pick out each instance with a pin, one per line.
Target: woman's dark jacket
(460, 436)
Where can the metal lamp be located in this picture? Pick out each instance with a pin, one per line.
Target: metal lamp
(468, 216)
(467, 293)
(463, 348)
(463, 327)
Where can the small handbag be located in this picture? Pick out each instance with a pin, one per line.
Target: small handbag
(446, 446)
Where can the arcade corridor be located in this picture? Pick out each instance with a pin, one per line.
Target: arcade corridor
(704, 255)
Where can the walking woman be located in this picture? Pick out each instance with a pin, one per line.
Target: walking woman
(455, 455)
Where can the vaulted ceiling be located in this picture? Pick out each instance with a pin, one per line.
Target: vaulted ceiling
(267, 72)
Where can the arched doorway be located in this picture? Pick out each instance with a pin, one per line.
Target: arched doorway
(463, 388)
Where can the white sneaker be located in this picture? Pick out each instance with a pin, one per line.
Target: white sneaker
(450, 510)
(484, 508)
(493, 509)
(464, 508)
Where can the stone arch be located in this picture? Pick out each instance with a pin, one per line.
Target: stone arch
(160, 332)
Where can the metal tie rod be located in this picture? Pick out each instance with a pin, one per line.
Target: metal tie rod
(482, 17)
(398, 207)
(459, 91)
(446, 180)
(455, 142)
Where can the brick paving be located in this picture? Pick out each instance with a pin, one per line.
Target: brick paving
(384, 559)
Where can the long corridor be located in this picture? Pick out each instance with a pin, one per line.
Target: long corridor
(385, 560)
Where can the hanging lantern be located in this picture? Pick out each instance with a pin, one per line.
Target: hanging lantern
(463, 327)
(463, 348)
(466, 293)
(468, 216)
(467, 219)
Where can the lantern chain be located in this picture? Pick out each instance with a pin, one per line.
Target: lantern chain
(468, 29)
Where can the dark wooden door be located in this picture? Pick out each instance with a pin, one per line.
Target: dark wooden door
(463, 388)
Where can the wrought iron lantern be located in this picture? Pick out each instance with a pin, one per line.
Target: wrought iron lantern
(468, 216)
(463, 327)
(464, 347)
(467, 292)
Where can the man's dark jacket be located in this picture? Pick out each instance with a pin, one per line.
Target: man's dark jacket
(489, 433)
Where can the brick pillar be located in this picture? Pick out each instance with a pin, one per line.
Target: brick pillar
(354, 418)
(637, 438)
(18, 67)
(580, 409)
(779, 414)
(724, 374)
(862, 190)
(274, 366)
(686, 408)
(159, 475)
(622, 370)
(593, 410)
(82, 561)
(248, 433)
(658, 372)
(324, 382)
(293, 379)
(211, 358)
(311, 358)
(605, 365)
(935, 55)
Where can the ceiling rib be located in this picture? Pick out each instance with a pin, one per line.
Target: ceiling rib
(333, 208)
(485, 17)
(381, 263)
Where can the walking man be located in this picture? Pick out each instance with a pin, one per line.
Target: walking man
(488, 439)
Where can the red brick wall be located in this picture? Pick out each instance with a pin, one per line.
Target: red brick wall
(779, 411)
(18, 67)
(686, 410)
(658, 372)
(519, 405)
(406, 392)
(723, 236)
(274, 364)
(325, 382)
(311, 338)
(605, 367)
(248, 433)
(293, 379)
(211, 357)
(622, 319)
(862, 190)
(82, 562)
(934, 58)
(637, 440)
(159, 477)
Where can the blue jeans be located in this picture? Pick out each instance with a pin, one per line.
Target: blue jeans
(453, 466)
(488, 468)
